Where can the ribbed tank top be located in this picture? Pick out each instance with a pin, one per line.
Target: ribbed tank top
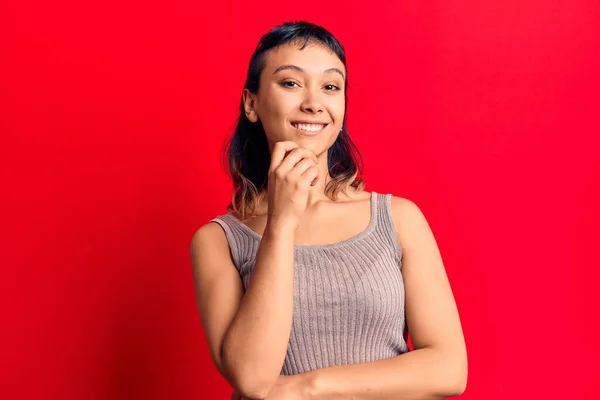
(348, 296)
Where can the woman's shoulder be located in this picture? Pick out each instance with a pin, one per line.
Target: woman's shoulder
(208, 235)
(409, 220)
(357, 195)
(400, 207)
(402, 204)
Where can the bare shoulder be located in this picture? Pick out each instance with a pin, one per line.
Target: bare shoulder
(401, 206)
(409, 221)
(208, 234)
(209, 252)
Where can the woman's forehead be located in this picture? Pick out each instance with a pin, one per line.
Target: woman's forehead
(314, 58)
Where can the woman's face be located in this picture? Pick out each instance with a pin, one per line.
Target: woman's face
(301, 96)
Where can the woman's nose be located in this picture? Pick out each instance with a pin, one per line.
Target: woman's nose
(312, 103)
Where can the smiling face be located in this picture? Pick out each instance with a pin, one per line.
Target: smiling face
(301, 96)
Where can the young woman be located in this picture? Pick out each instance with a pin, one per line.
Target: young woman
(308, 286)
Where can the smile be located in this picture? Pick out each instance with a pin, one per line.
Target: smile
(310, 128)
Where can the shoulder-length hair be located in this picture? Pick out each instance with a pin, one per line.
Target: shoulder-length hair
(247, 156)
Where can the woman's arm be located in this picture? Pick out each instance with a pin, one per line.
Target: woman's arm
(437, 368)
(256, 343)
(422, 374)
(248, 334)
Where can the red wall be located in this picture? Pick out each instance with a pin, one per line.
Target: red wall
(112, 117)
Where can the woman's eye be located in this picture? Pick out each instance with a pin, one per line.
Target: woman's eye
(335, 88)
(289, 84)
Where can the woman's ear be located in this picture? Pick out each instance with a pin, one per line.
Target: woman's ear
(250, 106)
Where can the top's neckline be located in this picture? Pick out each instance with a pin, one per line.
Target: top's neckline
(345, 242)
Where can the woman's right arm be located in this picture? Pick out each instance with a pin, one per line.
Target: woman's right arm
(248, 334)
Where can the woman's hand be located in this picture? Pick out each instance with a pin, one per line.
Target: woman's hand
(287, 387)
(290, 177)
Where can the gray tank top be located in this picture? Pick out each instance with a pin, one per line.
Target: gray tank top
(348, 296)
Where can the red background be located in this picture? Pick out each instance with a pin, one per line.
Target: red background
(483, 113)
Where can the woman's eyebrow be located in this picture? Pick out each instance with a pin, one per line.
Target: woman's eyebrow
(297, 68)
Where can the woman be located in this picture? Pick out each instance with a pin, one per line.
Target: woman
(308, 286)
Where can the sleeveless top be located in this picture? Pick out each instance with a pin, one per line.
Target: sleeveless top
(348, 296)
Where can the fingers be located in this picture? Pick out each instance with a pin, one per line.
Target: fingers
(294, 157)
(310, 176)
(281, 159)
(279, 151)
(293, 163)
(300, 168)
(305, 173)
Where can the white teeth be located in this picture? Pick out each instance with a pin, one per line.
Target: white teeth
(309, 127)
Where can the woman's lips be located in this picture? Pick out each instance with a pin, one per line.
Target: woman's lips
(309, 129)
